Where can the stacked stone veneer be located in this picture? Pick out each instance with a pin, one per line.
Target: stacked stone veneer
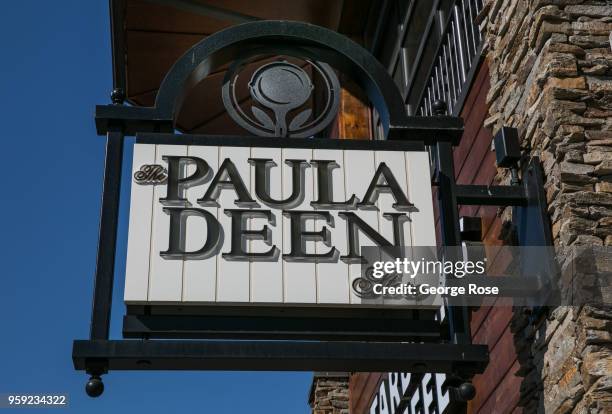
(329, 393)
(550, 64)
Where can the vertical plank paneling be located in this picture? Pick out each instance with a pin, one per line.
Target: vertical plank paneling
(359, 170)
(233, 276)
(422, 221)
(419, 188)
(200, 276)
(300, 284)
(396, 162)
(166, 276)
(332, 278)
(267, 277)
(139, 235)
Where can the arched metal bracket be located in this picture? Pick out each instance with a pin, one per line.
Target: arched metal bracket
(307, 41)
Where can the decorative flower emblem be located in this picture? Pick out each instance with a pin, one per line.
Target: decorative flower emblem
(279, 89)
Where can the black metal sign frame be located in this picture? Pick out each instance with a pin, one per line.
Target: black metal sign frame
(349, 348)
(292, 322)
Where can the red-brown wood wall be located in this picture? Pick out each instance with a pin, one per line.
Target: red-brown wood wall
(362, 387)
(498, 387)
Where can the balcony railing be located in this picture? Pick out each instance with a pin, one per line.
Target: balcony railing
(456, 59)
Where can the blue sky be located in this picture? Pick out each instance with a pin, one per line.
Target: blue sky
(55, 67)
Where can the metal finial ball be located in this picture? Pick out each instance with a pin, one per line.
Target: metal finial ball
(94, 387)
(467, 391)
(117, 96)
(438, 107)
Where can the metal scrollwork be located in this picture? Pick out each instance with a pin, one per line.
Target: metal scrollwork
(151, 174)
(281, 91)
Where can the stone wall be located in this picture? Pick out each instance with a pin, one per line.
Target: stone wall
(550, 63)
(329, 393)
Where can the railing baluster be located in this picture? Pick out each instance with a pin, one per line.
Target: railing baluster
(460, 43)
(441, 92)
(479, 6)
(466, 34)
(450, 76)
(452, 71)
(457, 51)
(473, 26)
(467, 18)
(434, 83)
(445, 81)
(437, 93)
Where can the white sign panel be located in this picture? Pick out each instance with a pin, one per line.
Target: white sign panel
(265, 225)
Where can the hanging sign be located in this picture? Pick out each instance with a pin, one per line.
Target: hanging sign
(396, 396)
(231, 222)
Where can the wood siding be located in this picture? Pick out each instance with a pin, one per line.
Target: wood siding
(497, 389)
(362, 387)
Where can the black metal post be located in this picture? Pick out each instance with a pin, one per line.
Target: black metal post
(449, 223)
(491, 195)
(105, 263)
(229, 355)
(449, 213)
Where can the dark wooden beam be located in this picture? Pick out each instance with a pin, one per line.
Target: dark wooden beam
(206, 10)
